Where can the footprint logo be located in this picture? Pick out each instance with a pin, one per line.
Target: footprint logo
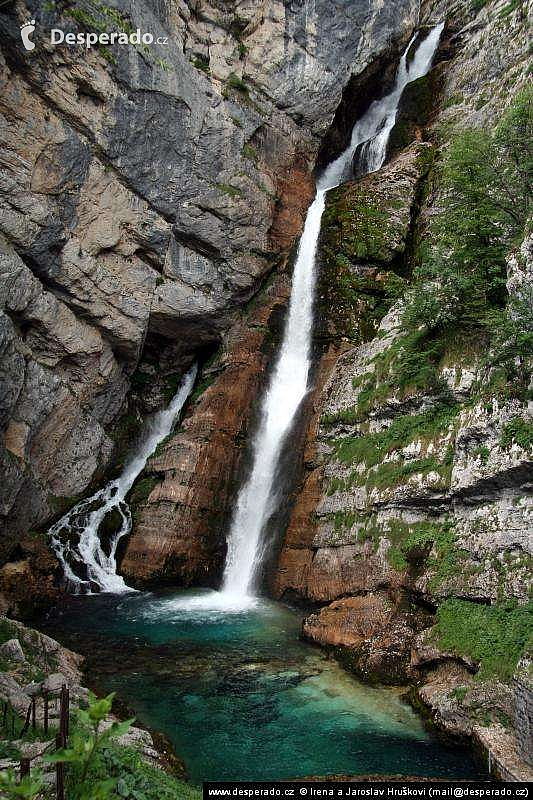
(26, 31)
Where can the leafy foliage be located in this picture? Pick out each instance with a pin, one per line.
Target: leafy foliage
(26, 789)
(486, 184)
(494, 636)
(405, 428)
(87, 741)
(97, 767)
(517, 430)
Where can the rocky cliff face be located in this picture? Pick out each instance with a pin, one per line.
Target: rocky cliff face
(146, 192)
(417, 489)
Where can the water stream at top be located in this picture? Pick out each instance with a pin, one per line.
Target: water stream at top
(75, 537)
(289, 382)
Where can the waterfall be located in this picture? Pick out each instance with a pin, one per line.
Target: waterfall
(288, 385)
(75, 537)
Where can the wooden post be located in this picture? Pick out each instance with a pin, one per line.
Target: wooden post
(45, 710)
(67, 714)
(26, 721)
(64, 713)
(24, 767)
(60, 773)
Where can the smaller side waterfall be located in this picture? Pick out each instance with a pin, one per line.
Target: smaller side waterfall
(75, 537)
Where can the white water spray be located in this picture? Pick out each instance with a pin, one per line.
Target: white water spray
(288, 385)
(75, 537)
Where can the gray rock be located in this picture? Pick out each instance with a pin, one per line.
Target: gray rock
(12, 651)
(54, 682)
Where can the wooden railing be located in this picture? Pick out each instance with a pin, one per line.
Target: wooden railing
(61, 739)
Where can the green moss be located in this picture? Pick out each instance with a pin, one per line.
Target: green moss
(482, 452)
(494, 636)
(453, 100)
(509, 8)
(201, 387)
(7, 630)
(372, 448)
(250, 153)
(431, 542)
(394, 473)
(141, 490)
(355, 223)
(231, 191)
(234, 82)
(459, 693)
(409, 541)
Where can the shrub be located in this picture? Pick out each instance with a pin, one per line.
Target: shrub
(486, 189)
(493, 636)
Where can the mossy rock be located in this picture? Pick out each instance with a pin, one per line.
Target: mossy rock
(141, 491)
(414, 110)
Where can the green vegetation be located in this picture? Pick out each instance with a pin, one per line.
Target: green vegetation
(413, 540)
(202, 62)
(250, 153)
(97, 767)
(483, 453)
(431, 542)
(96, 16)
(395, 473)
(141, 491)
(459, 693)
(371, 448)
(234, 82)
(32, 668)
(231, 191)
(494, 636)
(509, 8)
(486, 190)
(453, 100)
(518, 431)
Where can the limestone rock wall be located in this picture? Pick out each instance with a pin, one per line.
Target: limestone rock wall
(145, 194)
(395, 513)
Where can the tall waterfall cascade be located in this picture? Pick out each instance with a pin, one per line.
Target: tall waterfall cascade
(88, 563)
(289, 382)
(75, 538)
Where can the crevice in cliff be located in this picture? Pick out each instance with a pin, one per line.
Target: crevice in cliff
(358, 95)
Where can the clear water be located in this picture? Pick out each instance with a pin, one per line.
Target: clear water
(241, 698)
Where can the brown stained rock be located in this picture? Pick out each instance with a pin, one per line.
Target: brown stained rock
(295, 190)
(369, 634)
(179, 532)
(28, 585)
